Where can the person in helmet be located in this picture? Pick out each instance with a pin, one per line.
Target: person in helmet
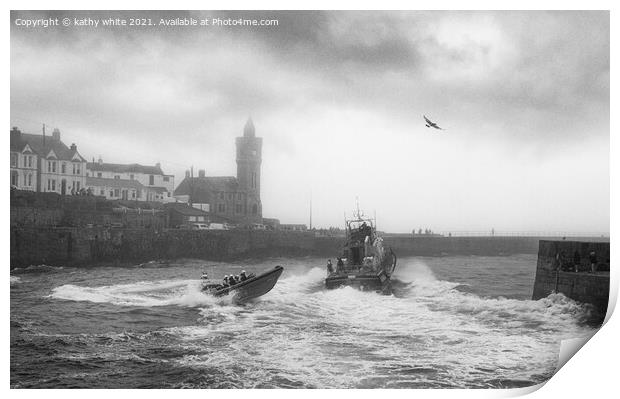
(330, 267)
(243, 276)
(226, 281)
(231, 280)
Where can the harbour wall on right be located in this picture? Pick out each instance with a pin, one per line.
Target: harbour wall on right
(566, 267)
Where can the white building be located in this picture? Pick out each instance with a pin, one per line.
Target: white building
(157, 185)
(114, 189)
(45, 164)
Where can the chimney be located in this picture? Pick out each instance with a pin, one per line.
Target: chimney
(15, 134)
(56, 134)
(73, 146)
(158, 165)
(187, 174)
(100, 160)
(201, 173)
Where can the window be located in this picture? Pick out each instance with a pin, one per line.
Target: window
(130, 177)
(51, 185)
(76, 169)
(192, 218)
(151, 180)
(222, 196)
(166, 179)
(51, 166)
(29, 180)
(63, 168)
(116, 192)
(102, 192)
(168, 193)
(77, 185)
(14, 178)
(27, 161)
(14, 160)
(221, 208)
(111, 193)
(139, 194)
(133, 193)
(201, 218)
(238, 196)
(117, 177)
(238, 208)
(254, 209)
(99, 174)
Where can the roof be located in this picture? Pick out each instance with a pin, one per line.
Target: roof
(203, 189)
(42, 145)
(114, 183)
(124, 168)
(184, 209)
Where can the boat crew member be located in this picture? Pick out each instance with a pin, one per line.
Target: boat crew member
(340, 264)
(231, 280)
(330, 267)
(243, 276)
(204, 276)
(226, 281)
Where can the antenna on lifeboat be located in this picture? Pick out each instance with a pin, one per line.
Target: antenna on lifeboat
(375, 212)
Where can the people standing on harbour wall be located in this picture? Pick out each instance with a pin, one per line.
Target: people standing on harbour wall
(593, 262)
(577, 260)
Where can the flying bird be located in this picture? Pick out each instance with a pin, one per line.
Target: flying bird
(429, 123)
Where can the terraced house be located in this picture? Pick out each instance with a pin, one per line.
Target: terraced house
(130, 181)
(45, 164)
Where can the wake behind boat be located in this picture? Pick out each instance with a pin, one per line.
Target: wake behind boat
(251, 287)
(365, 264)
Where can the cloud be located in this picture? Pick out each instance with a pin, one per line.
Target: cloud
(327, 83)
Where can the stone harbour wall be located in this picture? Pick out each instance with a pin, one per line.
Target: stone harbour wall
(87, 246)
(555, 272)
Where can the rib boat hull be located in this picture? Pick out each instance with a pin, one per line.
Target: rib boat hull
(249, 289)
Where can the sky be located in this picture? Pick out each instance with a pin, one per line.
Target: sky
(339, 99)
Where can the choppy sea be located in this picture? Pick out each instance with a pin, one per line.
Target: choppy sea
(459, 322)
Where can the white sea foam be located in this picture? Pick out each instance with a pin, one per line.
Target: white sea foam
(15, 280)
(145, 293)
(350, 332)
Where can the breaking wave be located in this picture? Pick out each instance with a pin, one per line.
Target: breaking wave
(300, 334)
(145, 293)
(37, 269)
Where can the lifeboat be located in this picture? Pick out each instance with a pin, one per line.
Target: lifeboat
(246, 290)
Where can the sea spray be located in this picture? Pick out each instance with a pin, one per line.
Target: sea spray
(429, 333)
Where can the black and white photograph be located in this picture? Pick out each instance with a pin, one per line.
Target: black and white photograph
(306, 199)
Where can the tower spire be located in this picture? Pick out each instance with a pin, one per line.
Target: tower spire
(248, 130)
